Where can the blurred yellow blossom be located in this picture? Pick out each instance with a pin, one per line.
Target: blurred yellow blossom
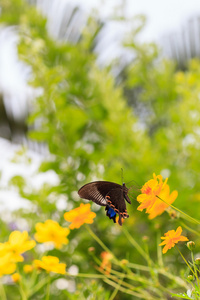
(6, 265)
(80, 216)
(27, 269)
(171, 238)
(51, 231)
(17, 244)
(149, 200)
(50, 264)
(16, 277)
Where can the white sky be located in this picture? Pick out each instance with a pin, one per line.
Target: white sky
(164, 16)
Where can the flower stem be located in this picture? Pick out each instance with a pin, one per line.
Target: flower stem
(189, 228)
(180, 211)
(38, 286)
(137, 246)
(48, 288)
(101, 244)
(195, 269)
(2, 292)
(116, 289)
(185, 261)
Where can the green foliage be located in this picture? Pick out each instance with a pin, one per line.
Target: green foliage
(93, 127)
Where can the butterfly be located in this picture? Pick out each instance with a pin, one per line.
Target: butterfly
(108, 194)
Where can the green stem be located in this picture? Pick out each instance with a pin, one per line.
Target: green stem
(137, 246)
(37, 287)
(48, 288)
(102, 244)
(83, 275)
(195, 269)
(185, 261)
(2, 292)
(116, 289)
(129, 291)
(159, 252)
(180, 211)
(189, 228)
(21, 288)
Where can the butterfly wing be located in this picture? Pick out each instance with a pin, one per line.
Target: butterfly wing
(97, 191)
(110, 213)
(115, 200)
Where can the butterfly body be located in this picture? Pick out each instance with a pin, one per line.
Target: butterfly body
(109, 194)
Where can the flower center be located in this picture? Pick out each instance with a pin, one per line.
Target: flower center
(147, 190)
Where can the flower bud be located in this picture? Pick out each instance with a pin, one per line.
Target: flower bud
(124, 262)
(191, 245)
(145, 238)
(190, 278)
(91, 249)
(197, 261)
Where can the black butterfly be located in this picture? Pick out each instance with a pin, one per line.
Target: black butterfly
(107, 194)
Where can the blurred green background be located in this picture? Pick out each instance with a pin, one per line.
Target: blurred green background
(144, 118)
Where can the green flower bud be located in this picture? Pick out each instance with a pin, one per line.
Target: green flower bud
(190, 278)
(197, 261)
(191, 245)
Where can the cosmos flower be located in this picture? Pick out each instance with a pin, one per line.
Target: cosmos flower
(6, 265)
(27, 269)
(171, 238)
(106, 261)
(150, 192)
(17, 244)
(80, 216)
(50, 264)
(16, 277)
(51, 231)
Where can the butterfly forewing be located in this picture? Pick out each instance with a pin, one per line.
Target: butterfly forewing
(97, 190)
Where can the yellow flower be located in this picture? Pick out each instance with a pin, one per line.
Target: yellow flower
(171, 238)
(18, 243)
(16, 277)
(79, 216)
(27, 268)
(149, 200)
(50, 264)
(6, 266)
(106, 261)
(51, 231)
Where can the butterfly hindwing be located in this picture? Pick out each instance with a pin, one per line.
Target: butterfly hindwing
(115, 200)
(110, 213)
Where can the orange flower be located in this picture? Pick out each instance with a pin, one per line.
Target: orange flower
(106, 261)
(149, 200)
(171, 238)
(159, 206)
(79, 216)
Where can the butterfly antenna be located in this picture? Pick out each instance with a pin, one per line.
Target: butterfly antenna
(122, 176)
(134, 182)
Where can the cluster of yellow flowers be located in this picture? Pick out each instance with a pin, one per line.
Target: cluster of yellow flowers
(11, 252)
